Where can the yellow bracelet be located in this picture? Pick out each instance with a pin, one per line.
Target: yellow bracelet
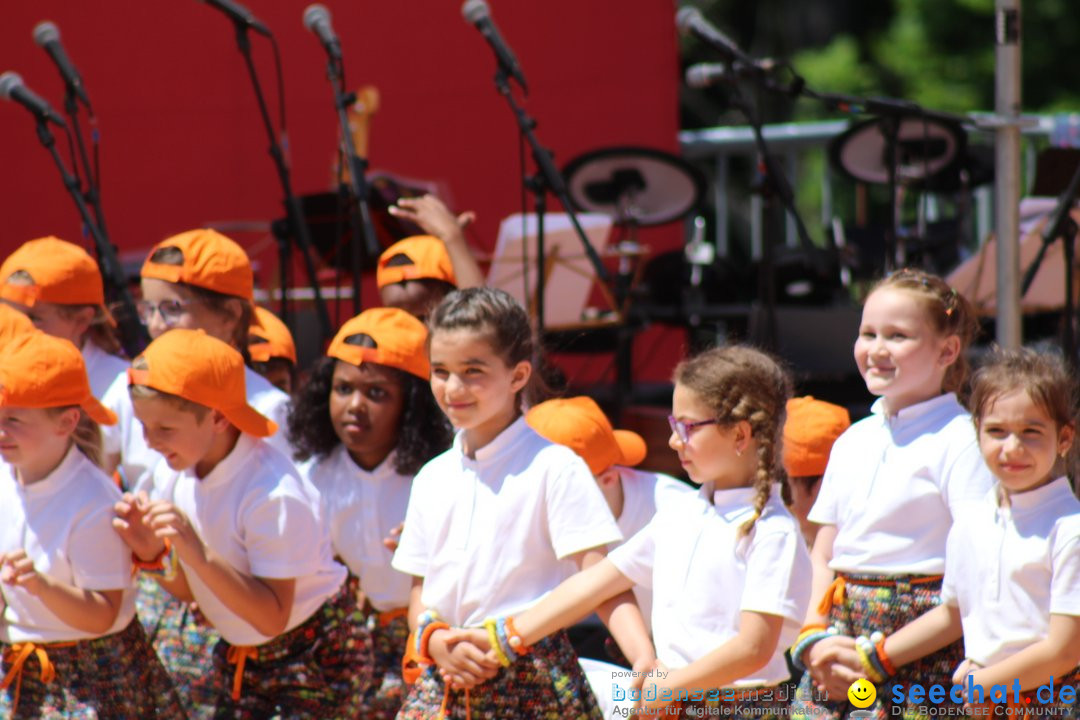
(871, 671)
(493, 638)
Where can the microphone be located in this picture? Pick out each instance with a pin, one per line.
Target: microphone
(13, 88)
(47, 36)
(704, 75)
(240, 15)
(690, 21)
(477, 13)
(317, 20)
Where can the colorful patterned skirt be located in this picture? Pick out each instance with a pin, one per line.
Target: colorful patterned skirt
(389, 632)
(546, 684)
(115, 676)
(885, 603)
(319, 669)
(184, 640)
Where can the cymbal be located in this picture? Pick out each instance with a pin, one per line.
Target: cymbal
(634, 185)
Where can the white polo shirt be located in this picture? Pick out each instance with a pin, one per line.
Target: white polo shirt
(703, 575)
(102, 368)
(137, 460)
(894, 485)
(1009, 568)
(488, 535)
(256, 511)
(64, 523)
(362, 508)
(643, 493)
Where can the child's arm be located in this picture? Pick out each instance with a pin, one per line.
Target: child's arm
(1053, 656)
(747, 652)
(460, 655)
(823, 576)
(92, 611)
(264, 603)
(131, 525)
(432, 215)
(926, 634)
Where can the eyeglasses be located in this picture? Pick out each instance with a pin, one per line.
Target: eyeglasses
(170, 310)
(682, 429)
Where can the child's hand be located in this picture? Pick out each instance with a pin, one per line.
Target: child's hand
(461, 664)
(16, 568)
(834, 665)
(391, 540)
(433, 217)
(167, 521)
(664, 681)
(131, 525)
(965, 668)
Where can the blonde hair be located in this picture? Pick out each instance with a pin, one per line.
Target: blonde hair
(101, 332)
(86, 435)
(740, 383)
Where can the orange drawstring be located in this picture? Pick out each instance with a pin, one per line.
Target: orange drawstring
(446, 701)
(17, 656)
(238, 655)
(834, 595)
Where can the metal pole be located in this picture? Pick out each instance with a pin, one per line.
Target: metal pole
(1007, 174)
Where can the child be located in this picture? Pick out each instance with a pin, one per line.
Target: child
(12, 324)
(810, 430)
(272, 350)
(492, 522)
(894, 484)
(197, 279)
(236, 529)
(1012, 568)
(68, 637)
(728, 570)
(368, 421)
(59, 287)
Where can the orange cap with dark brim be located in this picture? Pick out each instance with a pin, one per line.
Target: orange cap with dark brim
(428, 260)
(400, 341)
(581, 425)
(58, 272)
(268, 338)
(42, 371)
(210, 261)
(203, 370)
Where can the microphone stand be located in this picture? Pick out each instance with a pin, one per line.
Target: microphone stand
(364, 241)
(133, 334)
(548, 178)
(297, 222)
(92, 192)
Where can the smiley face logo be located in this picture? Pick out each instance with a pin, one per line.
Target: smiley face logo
(862, 693)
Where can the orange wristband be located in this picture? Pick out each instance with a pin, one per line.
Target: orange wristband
(157, 563)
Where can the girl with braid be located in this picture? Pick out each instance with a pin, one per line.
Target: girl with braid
(727, 566)
(895, 484)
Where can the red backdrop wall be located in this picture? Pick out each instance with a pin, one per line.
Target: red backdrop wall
(181, 140)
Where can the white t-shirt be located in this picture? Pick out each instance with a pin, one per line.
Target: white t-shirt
(256, 511)
(643, 493)
(703, 575)
(102, 368)
(362, 508)
(894, 486)
(137, 460)
(1009, 568)
(488, 535)
(64, 523)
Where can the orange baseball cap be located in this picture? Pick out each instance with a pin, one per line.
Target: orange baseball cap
(61, 272)
(811, 428)
(400, 341)
(429, 261)
(268, 337)
(581, 425)
(204, 370)
(13, 323)
(210, 260)
(41, 371)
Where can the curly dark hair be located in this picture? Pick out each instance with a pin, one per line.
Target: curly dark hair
(423, 433)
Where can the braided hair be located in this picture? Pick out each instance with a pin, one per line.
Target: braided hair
(739, 384)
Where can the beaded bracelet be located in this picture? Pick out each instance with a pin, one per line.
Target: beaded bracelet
(886, 663)
(514, 639)
(166, 565)
(496, 642)
(875, 647)
(864, 659)
(806, 642)
(504, 639)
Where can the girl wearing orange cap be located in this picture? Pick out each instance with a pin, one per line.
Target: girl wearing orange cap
(727, 567)
(895, 483)
(234, 527)
(59, 287)
(69, 641)
(491, 524)
(368, 422)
